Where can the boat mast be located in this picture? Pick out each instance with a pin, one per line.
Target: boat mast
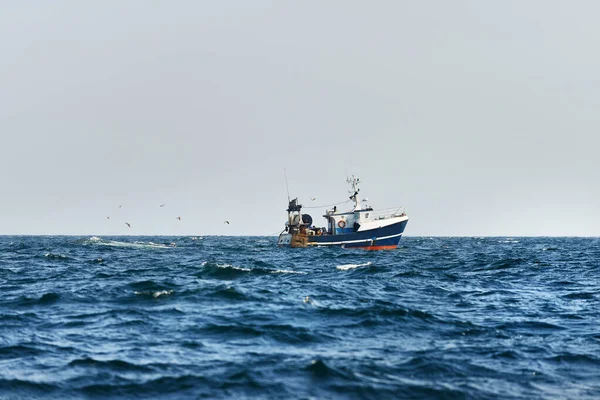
(354, 192)
(286, 184)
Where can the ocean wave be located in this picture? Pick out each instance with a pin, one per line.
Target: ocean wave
(467, 318)
(18, 388)
(287, 271)
(222, 271)
(580, 296)
(148, 285)
(154, 293)
(229, 271)
(346, 267)
(11, 270)
(229, 292)
(321, 370)
(502, 264)
(184, 386)
(151, 289)
(18, 351)
(227, 266)
(234, 329)
(530, 327)
(45, 300)
(376, 311)
(94, 240)
(577, 359)
(282, 333)
(61, 257)
(113, 365)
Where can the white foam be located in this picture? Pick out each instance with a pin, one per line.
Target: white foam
(161, 293)
(277, 271)
(50, 255)
(139, 245)
(233, 267)
(156, 294)
(287, 271)
(352, 266)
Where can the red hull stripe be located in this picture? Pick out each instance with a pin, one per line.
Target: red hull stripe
(390, 247)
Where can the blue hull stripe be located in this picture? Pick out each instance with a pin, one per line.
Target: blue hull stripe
(386, 236)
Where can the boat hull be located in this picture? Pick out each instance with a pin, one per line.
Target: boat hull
(382, 238)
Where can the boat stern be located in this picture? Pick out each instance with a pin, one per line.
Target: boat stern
(293, 240)
(284, 240)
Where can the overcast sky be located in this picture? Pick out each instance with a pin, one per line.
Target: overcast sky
(480, 117)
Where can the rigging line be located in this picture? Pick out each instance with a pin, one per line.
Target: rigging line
(329, 205)
(277, 232)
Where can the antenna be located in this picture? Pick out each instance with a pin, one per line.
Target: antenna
(286, 185)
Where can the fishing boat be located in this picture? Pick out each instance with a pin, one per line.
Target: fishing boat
(361, 227)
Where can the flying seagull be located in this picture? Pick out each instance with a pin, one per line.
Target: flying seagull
(226, 222)
(179, 218)
(121, 206)
(107, 217)
(128, 224)
(313, 198)
(162, 205)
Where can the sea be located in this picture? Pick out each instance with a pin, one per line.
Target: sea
(238, 318)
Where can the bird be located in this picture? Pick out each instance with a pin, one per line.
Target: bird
(121, 206)
(226, 222)
(162, 205)
(179, 218)
(313, 198)
(128, 224)
(107, 217)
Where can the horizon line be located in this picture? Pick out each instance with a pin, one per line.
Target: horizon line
(208, 235)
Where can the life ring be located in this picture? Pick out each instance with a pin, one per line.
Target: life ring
(342, 224)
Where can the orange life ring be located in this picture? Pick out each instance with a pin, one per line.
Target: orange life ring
(342, 224)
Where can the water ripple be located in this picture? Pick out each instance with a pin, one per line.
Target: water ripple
(230, 317)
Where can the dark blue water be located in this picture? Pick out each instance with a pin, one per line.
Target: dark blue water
(236, 317)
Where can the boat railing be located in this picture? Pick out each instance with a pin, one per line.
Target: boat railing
(386, 213)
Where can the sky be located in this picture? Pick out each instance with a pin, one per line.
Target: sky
(480, 118)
